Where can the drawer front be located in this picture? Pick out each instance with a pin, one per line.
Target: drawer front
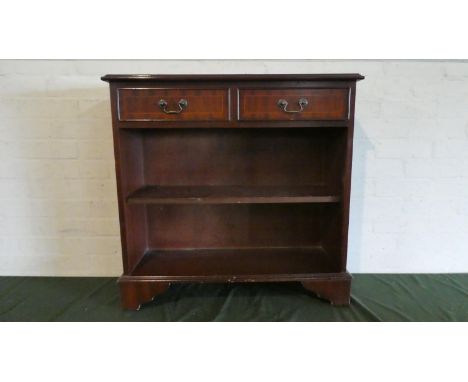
(293, 104)
(154, 104)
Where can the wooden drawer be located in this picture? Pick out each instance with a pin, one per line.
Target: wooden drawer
(157, 104)
(293, 104)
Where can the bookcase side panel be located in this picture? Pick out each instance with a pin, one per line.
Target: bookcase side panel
(129, 175)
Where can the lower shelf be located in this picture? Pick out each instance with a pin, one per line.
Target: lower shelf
(240, 264)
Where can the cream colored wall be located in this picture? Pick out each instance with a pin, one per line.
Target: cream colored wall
(58, 210)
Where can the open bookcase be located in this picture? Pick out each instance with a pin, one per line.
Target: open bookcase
(220, 182)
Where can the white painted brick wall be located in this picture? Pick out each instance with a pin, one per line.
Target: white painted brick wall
(58, 209)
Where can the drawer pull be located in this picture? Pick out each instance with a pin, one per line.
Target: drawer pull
(183, 103)
(283, 104)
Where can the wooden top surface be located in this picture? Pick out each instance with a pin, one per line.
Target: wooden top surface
(233, 77)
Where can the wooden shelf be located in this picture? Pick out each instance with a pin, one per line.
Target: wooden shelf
(239, 263)
(232, 195)
(219, 183)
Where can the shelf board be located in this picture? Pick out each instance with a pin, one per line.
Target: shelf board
(240, 264)
(232, 195)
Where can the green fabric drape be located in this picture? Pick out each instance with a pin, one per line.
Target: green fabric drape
(375, 297)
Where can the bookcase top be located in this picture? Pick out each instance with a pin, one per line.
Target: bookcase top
(233, 77)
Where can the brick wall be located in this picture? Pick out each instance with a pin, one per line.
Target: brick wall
(58, 210)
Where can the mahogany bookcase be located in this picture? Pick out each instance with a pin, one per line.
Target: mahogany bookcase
(233, 178)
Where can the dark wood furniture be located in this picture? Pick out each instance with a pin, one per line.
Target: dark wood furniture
(233, 178)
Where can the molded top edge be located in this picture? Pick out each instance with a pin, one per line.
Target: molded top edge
(233, 77)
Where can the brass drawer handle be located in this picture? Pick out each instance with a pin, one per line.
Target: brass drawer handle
(183, 103)
(283, 104)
